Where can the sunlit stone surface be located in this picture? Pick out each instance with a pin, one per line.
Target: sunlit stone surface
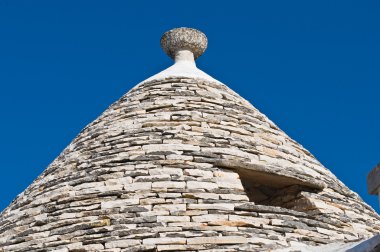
(183, 163)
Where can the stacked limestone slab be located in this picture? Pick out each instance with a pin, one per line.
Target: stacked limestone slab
(162, 170)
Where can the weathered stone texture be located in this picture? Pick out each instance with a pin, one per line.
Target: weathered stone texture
(146, 173)
(173, 166)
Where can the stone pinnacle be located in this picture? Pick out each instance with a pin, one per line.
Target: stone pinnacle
(180, 39)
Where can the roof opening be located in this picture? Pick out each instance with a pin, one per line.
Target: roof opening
(271, 187)
(270, 195)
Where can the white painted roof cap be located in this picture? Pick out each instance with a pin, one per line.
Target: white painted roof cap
(184, 46)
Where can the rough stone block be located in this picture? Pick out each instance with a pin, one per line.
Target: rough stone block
(198, 173)
(119, 203)
(209, 218)
(168, 184)
(164, 240)
(218, 240)
(215, 206)
(173, 218)
(122, 243)
(201, 185)
(170, 207)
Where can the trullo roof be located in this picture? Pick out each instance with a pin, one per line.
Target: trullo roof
(183, 163)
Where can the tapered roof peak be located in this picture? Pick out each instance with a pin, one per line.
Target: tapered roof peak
(184, 46)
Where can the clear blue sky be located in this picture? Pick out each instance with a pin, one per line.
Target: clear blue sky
(313, 67)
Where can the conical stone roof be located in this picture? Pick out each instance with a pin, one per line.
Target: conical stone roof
(183, 163)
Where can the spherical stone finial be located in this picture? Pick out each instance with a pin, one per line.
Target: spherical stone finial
(184, 39)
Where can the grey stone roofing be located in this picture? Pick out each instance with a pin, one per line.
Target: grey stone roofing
(183, 163)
